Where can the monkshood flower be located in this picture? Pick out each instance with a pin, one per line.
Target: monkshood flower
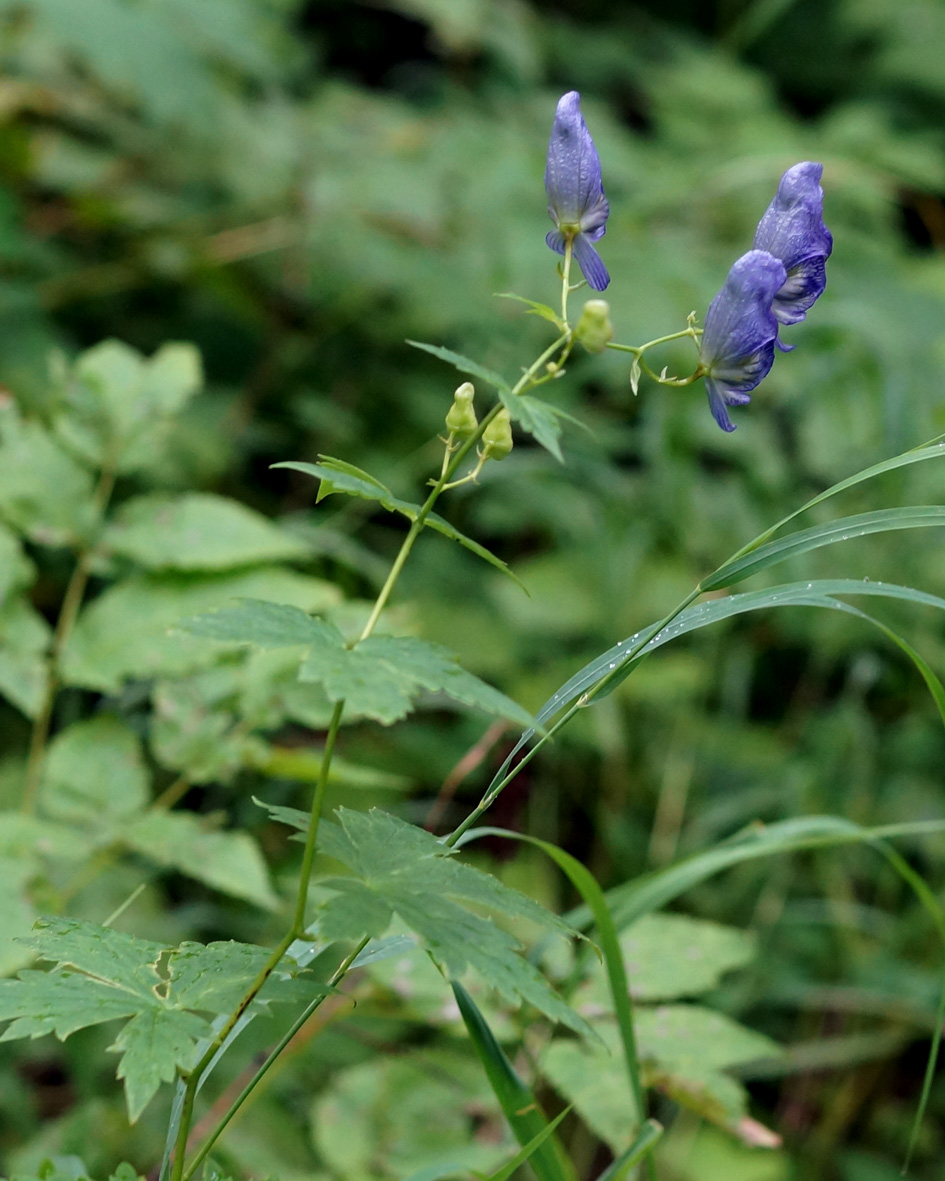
(793, 230)
(737, 348)
(576, 201)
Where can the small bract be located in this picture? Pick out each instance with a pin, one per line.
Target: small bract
(576, 201)
(737, 348)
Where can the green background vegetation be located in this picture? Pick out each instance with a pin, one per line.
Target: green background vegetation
(298, 187)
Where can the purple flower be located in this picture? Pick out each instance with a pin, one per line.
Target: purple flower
(737, 348)
(576, 201)
(793, 230)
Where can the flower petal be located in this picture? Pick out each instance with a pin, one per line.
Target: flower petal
(572, 173)
(793, 230)
(591, 264)
(555, 239)
(737, 348)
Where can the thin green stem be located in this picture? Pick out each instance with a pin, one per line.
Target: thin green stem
(308, 856)
(582, 702)
(452, 459)
(68, 613)
(566, 278)
(271, 1057)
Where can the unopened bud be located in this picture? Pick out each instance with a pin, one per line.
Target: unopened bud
(594, 329)
(461, 420)
(497, 437)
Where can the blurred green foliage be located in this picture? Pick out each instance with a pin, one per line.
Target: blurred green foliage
(297, 187)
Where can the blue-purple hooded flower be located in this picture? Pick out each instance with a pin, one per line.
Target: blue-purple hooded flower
(576, 201)
(737, 347)
(793, 230)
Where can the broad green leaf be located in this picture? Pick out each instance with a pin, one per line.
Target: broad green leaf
(116, 405)
(197, 531)
(847, 528)
(17, 912)
(16, 570)
(44, 493)
(521, 1109)
(228, 861)
(95, 769)
(382, 675)
(126, 634)
(24, 639)
(265, 625)
(398, 868)
(381, 1111)
(188, 734)
(336, 476)
(672, 955)
(685, 1050)
(592, 1078)
(464, 365)
(536, 418)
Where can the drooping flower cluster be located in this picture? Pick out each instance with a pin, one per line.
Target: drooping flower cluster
(775, 283)
(576, 201)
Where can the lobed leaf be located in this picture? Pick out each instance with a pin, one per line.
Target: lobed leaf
(464, 365)
(398, 868)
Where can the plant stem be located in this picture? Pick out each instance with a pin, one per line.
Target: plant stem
(584, 700)
(68, 613)
(452, 461)
(566, 278)
(271, 1057)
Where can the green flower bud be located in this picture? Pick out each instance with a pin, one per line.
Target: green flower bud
(594, 328)
(497, 437)
(461, 421)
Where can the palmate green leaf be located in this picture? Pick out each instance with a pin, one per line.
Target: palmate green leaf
(104, 975)
(335, 475)
(379, 678)
(383, 674)
(464, 365)
(196, 531)
(398, 868)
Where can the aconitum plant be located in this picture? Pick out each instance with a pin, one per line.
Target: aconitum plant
(394, 889)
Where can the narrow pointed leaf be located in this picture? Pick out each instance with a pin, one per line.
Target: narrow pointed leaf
(464, 365)
(516, 1100)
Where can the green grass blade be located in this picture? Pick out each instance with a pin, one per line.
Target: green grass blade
(638, 1151)
(737, 569)
(528, 1151)
(933, 449)
(515, 1098)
